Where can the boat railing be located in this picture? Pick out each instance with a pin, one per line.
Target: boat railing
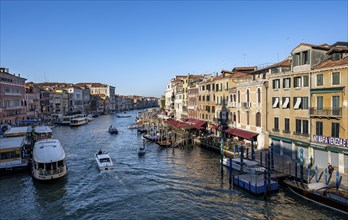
(51, 172)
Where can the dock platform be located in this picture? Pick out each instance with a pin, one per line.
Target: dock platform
(254, 183)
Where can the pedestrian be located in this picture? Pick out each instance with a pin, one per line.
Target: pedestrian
(330, 168)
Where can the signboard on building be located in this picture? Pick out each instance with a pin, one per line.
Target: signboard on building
(330, 140)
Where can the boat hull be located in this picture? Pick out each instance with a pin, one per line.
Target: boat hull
(317, 197)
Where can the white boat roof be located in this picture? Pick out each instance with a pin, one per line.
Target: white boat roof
(12, 142)
(49, 150)
(18, 131)
(42, 129)
(246, 161)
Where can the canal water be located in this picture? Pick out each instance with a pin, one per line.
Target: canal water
(163, 184)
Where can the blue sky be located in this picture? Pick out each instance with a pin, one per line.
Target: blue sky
(138, 46)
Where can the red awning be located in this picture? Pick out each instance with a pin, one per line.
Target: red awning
(178, 124)
(241, 133)
(196, 123)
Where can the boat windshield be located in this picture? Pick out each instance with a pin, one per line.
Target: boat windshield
(104, 160)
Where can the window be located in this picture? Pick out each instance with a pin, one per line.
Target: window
(276, 124)
(213, 109)
(304, 102)
(220, 86)
(226, 86)
(286, 83)
(320, 103)
(320, 79)
(212, 87)
(217, 87)
(336, 78)
(247, 96)
(208, 98)
(238, 116)
(285, 102)
(247, 118)
(298, 126)
(275, 101)
(305, 81)
(238, 96)
(258, 119)
(335, 129)
(335, 105)
(258, 95)
(305, 127)
(276, 83)
(305, 57)
(287, 125)
(319, 128)
(296, 59)
(297, 101)
(297, 81)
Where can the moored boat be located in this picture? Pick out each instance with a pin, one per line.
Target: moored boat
(249, 166)
(78, 121)
(48, 160)
(42, 133)
(320, 194)
(103, 160)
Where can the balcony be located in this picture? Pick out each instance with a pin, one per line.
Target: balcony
(246, 105)
(13, 93)
(286, 132)
(325, 112)
(275, 129)
(231, 105)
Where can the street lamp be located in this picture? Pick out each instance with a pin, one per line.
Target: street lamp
(222, 125)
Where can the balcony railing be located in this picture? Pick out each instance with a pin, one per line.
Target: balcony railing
(328, 112)
(231, 104)
(246, 105)
(286, 131)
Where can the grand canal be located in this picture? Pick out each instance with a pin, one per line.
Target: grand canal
(165, 183)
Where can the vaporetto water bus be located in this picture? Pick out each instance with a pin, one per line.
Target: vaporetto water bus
(42, 133)
(48, 160)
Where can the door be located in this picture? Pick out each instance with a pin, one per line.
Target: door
(320, 158)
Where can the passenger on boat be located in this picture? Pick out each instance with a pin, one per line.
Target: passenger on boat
(100, 152)
(330, 168)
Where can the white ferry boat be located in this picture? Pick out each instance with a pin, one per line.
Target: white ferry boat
(48, 160)
(78, 121)
(42, 133)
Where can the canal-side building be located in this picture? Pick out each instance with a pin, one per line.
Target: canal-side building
(288, 99)
(32, 100)
(178, 101)
(206, 99)
(12, 97)
(192, 103)
(329, 110)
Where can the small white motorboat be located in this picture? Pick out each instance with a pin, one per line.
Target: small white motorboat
(103, 160)
(249, 166)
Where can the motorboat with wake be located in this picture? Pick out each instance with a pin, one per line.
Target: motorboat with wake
(142, 150)
(103, 160)
(113, 130)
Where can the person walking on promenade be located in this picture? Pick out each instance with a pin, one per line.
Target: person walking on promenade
(330, 168)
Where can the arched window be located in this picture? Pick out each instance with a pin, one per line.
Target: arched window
(248, 96)
(238, 96)
(258, 95)
(258, 119)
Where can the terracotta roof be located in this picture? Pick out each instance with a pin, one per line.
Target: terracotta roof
(332, 63)
(320, 47)
(285, 62)
(337, 49)
(244, 69)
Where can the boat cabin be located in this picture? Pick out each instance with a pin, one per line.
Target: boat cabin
(42, 133)
(11, 152)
